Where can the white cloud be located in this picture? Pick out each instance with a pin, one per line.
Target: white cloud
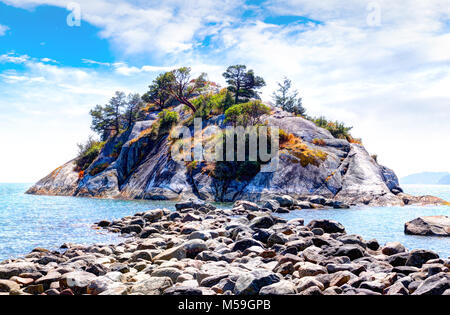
(3, 29)
(159, 27)
(11, 57)
(44, 110)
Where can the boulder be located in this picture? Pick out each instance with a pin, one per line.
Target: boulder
(308, 282)
(7, 286)
(178, 253)
(153, 215)
(434, 285)
(262, 222)
(245, 243)
(307, 269)
(284, 200)
(328, 226)
(252, 282)
(15, 269)
(247, 205)
(170, 272)
(429, 225)
(194, 247)
(183, 290)
(393, 248)
(152, 286)
(279, 288)
(352, 251)
(418, 257)
(77, 281)
(271, 205)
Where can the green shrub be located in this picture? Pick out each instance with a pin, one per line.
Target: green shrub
(167, 119)
(87, 153)
(337, 129)
(210, 104)
(246, 114)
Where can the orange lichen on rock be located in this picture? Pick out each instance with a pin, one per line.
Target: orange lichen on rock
(301, 152)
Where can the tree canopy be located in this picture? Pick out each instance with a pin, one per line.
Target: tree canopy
(120, 113)
(177, 84)
(243, 83)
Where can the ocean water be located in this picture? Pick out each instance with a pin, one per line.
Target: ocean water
(27, 221)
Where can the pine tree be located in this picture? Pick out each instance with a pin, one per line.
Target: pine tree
(287, 100)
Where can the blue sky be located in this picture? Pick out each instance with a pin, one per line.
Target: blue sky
(388, 78)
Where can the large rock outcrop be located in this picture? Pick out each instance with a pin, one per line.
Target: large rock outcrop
(429, 226)
(135, 166)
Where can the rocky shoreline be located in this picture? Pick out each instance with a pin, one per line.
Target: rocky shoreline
(202, 250)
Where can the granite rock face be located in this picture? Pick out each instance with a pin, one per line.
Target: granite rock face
(139, 167)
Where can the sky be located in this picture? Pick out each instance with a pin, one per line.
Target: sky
(379, 66)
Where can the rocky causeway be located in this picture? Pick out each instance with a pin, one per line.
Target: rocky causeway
(247, 250)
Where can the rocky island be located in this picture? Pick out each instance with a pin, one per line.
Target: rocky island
(316, 157)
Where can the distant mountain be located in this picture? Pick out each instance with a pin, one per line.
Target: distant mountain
(437, 178)
(445, 180)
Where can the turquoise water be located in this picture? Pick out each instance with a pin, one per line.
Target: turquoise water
(29, 221)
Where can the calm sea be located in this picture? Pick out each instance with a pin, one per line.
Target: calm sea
(27, 222)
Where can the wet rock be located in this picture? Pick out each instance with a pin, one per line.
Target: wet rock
(193, 204)
(328, 226)
(373, 245)
(131, 229)
(104, 224)
(418, 257)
